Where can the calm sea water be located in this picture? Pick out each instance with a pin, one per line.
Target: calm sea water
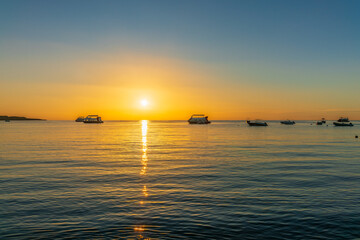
(171, 180)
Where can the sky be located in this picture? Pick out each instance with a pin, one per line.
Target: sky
(230, 60)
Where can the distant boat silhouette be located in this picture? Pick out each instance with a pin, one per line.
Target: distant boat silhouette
(199, 119)
(343, 122)
(288, 122)
(257, 123)
(93, 119)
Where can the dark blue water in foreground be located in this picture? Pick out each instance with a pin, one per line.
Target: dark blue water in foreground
(170, 180)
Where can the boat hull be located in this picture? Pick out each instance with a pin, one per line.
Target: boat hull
(199, 122)
(257, 124)
(343, 124)
(288, 123)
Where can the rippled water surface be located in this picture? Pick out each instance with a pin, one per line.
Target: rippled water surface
(171, 180)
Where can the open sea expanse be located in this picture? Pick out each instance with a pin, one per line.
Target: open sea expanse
(172, 180)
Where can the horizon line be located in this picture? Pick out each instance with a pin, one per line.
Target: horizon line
(135, 120)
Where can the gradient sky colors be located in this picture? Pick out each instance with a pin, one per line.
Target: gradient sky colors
(228, 59)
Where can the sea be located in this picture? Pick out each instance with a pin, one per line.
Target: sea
(171, 180)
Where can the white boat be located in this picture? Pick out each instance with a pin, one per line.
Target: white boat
(287, 122)
(199, 119)
(80, 119)
(257, 123)
(93, 119)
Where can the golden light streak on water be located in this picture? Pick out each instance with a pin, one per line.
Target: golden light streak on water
(145, 192)
(144, 126)
(144, 161)
(139, 229)
(144, 158)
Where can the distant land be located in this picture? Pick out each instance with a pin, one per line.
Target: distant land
(3, 118)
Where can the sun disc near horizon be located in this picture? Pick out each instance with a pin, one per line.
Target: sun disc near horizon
(144, 103)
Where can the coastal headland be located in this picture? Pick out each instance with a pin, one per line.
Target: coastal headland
(5, 118)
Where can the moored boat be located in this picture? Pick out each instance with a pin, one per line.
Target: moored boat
(92, 119)
(257, 123)
(288, 122)
(343, 122)
(198, 119)
(319, 123)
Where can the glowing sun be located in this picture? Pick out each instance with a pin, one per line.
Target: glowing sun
(144, 102)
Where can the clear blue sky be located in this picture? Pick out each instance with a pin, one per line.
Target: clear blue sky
(287, 44)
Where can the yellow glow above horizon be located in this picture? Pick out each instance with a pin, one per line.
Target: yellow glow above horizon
(139, 86)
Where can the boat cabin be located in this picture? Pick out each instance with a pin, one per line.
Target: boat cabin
(93, 119)
(199, 119)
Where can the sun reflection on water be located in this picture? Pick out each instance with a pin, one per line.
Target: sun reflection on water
(144, 158)
(145, 192)
(139, 229)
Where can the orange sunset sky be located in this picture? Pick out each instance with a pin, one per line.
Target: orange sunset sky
(59, 63)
